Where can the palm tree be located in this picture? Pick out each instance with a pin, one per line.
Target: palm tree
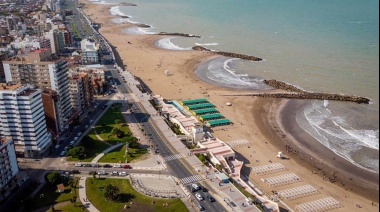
(111, 192)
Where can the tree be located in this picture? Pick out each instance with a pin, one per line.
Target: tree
(71, 183)
(132, 142)
(94, 175)
(117, 132)
(111, 192)
(77, 151)
(53, 178)
(118, 121)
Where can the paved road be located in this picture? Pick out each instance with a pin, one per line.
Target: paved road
(178, 166)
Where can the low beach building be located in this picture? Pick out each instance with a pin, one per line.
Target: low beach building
(199, 106)
(193, 101)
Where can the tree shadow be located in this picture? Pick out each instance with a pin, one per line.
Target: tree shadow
(124, 197)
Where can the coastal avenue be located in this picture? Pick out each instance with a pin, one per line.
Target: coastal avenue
(179, 167)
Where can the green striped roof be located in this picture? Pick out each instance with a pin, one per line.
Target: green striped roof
(198, 106)
(219, 121)
(194, 101)
(211, 116)
(203, 111)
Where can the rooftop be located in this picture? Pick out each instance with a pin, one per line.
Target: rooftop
(9, 87)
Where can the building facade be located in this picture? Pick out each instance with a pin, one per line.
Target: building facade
(22, 118)
(40, 69)
(8, 165)
(90, 52)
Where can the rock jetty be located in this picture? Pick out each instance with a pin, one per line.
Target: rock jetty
(179, 34)
(143, 25)
(127, 4)
(320, 96)
(283, 86)
(297, 93)
(228, 54)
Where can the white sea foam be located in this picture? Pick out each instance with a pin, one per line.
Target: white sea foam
(166, 43)
(335, 133)
(116, 11)
(206, 44)
(119, 20)
(138, 31)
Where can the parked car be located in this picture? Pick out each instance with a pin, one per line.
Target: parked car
(204, 189)
(72, 142)
(102, 172)
(114, 173)
(107, 166)
(57, 146)
(79, 134)
(87, 165)
(127, 167)
(123, 173)
(74, 171)
(210, 198)
(117, 166)
(63, 153)
(199, 196)
(76, 138)
(78, 164)
(95, 165)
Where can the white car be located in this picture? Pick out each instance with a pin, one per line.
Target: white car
(199, 196)
(72, 142)
(117, 166)
(102, 172)
(63, 153)
(123, 173)
(76, 138)
(78, 164)
(79, 134)
(57, 146)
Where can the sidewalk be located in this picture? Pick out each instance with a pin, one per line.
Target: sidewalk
(83, 196)
(95, 160)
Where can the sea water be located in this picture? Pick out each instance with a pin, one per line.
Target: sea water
(322, 46)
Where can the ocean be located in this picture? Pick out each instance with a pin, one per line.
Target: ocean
(321, 46)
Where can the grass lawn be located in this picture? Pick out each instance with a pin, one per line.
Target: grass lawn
(107, 122)
(93, 147)
(127, 195)
(49, 195)
(68, 207)
(118, 155)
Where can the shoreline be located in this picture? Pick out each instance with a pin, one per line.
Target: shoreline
(184, 84)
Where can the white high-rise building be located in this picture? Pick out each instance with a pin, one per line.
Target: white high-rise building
(8, 165)
(40, 69)
(22, 118)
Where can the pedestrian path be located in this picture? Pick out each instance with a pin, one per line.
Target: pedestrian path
(191, 179)
(83, 196)
(95, 160)
(172, 157)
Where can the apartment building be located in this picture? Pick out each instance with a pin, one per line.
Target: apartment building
(90, 52)
(40, 69)
(81, 92)
(22, 118)
(8, 165)
(50, 100)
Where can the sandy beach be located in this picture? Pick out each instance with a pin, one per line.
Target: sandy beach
(262, 122)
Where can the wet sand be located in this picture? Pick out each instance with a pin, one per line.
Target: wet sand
(258, 120)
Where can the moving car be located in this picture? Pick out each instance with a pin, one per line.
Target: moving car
(210, 198)
(199, 196)
(195, 186)
(200, 207)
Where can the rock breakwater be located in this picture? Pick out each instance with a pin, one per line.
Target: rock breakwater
(179, 34)
(228, 54)
(292, 92)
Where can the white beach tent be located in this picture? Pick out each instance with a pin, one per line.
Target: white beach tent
(280, 155)
(168, 73)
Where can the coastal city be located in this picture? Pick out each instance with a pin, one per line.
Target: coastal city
(97, 113)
